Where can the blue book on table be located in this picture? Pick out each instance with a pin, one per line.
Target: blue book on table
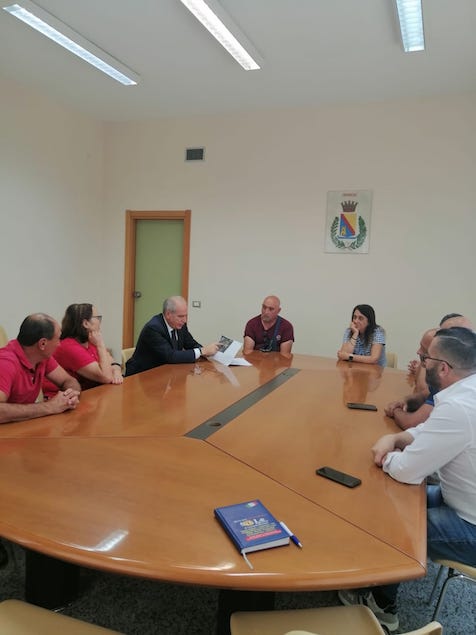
(252, 527)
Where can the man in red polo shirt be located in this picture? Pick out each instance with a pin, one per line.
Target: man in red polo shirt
(23, 364)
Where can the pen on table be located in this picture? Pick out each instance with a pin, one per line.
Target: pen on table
(294, 538)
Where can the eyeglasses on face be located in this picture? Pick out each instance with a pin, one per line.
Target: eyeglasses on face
(98, 317)
(435, 359)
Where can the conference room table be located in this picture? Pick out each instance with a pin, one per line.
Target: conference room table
(128, 482)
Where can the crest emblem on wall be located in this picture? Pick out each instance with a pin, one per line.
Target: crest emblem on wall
(348, 217)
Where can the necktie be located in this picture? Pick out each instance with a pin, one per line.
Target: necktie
(174, 340)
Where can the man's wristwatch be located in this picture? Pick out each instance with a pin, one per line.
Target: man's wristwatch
(351, 357)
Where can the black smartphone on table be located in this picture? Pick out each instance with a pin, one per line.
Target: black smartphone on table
(338, 477)
(361, 406)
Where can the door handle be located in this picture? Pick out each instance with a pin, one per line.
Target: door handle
(136, 294)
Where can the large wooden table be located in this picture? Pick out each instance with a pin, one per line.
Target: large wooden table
(128, 482)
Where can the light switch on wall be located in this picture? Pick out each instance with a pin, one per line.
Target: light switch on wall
(196, 304)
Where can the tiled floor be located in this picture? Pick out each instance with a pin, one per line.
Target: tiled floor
(145, 607)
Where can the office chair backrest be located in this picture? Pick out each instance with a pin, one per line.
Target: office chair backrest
(127, 353)
(391, 359)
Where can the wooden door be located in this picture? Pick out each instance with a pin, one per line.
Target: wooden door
(156, 265)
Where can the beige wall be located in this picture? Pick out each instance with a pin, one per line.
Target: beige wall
(258, 212)
(51, 180)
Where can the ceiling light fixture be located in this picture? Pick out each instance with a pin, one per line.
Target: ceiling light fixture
(62, 34)
(214, 21)
(411, 25)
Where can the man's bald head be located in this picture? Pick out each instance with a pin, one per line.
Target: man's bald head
(425, 341)
(270, 309)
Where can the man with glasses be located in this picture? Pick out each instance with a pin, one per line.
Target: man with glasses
(416, 408)
(446, 322)
(446, 443)
(269, 331)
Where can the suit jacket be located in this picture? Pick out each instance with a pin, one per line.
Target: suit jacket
(154, 347)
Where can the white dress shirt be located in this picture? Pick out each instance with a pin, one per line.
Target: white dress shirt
(445, 442)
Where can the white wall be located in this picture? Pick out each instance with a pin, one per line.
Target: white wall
(258, 214)
(51, 188)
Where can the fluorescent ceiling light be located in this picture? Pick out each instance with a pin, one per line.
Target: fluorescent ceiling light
(411, 25)
(63, 35)
(215, 25)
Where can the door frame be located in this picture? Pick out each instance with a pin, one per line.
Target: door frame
(132, 217)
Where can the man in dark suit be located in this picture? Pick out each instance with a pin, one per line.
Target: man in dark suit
(165, 339)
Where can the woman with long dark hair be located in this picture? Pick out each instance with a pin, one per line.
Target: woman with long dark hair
(364, 339)
(82, 352)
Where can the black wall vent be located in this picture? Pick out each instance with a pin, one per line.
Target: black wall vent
(194, 154)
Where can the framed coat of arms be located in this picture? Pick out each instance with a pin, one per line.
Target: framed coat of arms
(348, 221)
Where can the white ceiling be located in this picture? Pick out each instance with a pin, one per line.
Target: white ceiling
(314, 52)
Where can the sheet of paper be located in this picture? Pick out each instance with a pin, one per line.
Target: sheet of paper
(227, 350)
(240, 361)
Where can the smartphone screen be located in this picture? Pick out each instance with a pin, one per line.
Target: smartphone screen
(361, 406)
(338, 477)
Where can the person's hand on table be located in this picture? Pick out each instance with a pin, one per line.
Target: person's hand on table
(209, 349)
(383, 446)
(342, 355)
(117, 377)
(63, 400)
(392, 406)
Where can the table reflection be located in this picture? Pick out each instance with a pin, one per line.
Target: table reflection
(359, 380)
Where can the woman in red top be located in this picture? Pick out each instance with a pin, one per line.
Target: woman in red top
(82, 352)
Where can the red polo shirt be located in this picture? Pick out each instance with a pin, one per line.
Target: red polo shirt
(19, 380)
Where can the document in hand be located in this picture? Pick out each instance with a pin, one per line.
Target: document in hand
(227, 349)
(252, 527)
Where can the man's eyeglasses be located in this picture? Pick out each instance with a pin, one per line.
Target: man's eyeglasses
(98, 317)
(435, 359)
